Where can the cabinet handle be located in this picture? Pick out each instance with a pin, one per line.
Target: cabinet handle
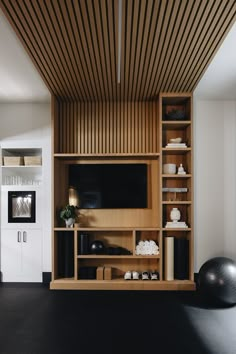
(18, 236)
(24, 236)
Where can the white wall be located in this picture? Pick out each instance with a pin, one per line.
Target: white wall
(30, 123)
(214, 179)
(230, 178)
(214, 171)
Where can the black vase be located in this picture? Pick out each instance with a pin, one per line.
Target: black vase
(83, 243)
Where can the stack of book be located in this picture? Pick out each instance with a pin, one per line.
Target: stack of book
(176, 256)
(176, 224)
(174, 190)
(176, 145)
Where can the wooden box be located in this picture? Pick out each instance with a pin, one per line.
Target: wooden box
(32, 160)
(99, 275)
(107, 273)
(12, 160)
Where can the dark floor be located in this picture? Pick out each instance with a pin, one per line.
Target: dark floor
(36, 320)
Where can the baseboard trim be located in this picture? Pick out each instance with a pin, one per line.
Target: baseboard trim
(47, 277)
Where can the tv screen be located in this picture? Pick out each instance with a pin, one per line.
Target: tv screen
(107, 186)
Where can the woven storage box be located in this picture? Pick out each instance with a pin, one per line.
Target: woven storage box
(33, 160)
(12, 160)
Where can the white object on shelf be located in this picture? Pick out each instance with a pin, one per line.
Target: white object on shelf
(176, 140)
(169, 168)
(33, 160)
(169, 258)
(128, 275)
(12, 160)
(175, 190)
(176, 224)
(181, 170)
(175, 214)
(20, 181)
(175, 145)
(135, 275)
(145, 248)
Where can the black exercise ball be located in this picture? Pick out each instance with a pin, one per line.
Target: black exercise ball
(217, 280)
(97, 247)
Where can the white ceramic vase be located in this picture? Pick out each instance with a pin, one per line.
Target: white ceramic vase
(175, 215)
(70, 222)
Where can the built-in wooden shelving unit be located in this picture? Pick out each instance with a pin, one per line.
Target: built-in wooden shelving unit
(127, 133)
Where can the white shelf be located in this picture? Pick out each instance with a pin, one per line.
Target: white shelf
(14, 176)
(11, 151)
(23, 168)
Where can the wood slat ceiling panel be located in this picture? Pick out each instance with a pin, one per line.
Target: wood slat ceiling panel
(166, 45)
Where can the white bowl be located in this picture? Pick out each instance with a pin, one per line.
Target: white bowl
(176, 140)
(169, 168)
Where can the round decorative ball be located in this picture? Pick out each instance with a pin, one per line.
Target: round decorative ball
(217, 280)
(97, 247)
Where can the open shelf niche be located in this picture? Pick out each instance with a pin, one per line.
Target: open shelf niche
(176, 144)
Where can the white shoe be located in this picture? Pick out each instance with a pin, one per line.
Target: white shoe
(128, 275)
(145, 275)
(135, 275)
(154, 275)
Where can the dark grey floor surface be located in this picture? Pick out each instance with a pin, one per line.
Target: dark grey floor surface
(36, 320)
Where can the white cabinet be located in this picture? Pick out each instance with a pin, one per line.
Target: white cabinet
(21, 241)
(21, 255)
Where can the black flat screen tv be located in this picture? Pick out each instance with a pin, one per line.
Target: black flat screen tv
(110, 186)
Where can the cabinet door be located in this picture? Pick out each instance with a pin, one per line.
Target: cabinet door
(21, 255)
(32, 255)
(11, 255)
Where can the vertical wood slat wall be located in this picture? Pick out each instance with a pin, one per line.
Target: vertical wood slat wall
(90, 128)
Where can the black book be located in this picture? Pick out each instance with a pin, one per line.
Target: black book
(65, 245)
(181, 258)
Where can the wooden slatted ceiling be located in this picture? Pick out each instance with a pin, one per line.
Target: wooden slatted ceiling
(166, 45)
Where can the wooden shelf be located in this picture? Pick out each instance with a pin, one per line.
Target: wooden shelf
(90, 256)
(176, 176)
(106, 229)
(177, 202)
(174, 124)
(177, 229)
(176, 151)
(121, 284)
(68, 156)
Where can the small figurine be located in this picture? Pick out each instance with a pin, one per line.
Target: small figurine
(181, 170)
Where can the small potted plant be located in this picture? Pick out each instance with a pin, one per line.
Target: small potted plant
(69, 214)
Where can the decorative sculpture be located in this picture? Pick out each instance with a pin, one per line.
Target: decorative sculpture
(181, 170)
